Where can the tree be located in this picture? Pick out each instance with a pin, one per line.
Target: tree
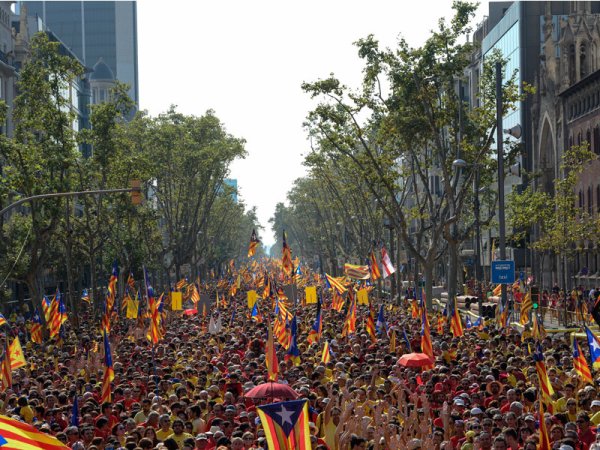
(563, 225)
(189, 159)
(404, 138)
(38, 159)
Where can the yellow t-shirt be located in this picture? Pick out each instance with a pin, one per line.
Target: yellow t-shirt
(27, 414)
(179, 439)
(162, 435)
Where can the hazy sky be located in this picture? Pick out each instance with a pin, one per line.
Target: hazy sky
(247, 59)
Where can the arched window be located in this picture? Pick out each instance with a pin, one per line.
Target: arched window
(571, 64)
(589, 200)
(582, 60)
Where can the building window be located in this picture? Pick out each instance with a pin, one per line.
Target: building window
(580, 199)
(588, 138)
(589, 200)
(596, 143)
(582, 61)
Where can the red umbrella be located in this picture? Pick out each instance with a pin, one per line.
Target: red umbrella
(272, 390)
(190, 312)
(415, 360)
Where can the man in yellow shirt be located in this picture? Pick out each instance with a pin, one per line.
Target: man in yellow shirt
(178, 434)
(165, 428)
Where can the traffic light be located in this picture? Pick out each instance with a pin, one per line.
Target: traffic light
(136, 192)
(535, 296)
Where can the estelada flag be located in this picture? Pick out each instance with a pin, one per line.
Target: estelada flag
(15, 435)
(253, 244)
(286, 425)
(15, 352)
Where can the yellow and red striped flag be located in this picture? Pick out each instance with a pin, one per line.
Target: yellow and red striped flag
(374, 268)
(426, 345)
(357, 272)
(17, 435)
(36, 328)
(112, 288)
(526, 307)
(544, 437)
(6, 374)
(546, 390)
(271, 358)
(455, 320)
(15, 353)
(286, 256)
(350, 322)
(253, 244)
(286, 425)
(326, 355)
(580, 364)
(370, 324)
(109, 373)
(335, 283)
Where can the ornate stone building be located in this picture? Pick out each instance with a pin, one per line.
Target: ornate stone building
(565, 112)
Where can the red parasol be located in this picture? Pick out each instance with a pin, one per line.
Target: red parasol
(272, 390)
(190, 312)
(415, 360)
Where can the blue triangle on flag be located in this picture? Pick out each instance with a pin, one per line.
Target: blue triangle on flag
(284, 414)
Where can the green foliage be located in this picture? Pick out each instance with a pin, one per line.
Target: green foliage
(182, 161)
(561, 223)
(405, 127)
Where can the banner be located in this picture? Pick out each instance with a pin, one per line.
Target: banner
(363, 297)
(252, 296)
(176, 300)
(311, 295)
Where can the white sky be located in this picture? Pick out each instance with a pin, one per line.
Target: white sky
(247, 59)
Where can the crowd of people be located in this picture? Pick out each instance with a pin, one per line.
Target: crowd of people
(188, 391)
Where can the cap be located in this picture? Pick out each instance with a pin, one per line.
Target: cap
(595, 402)
(459, 402)
(202, 436)
(476, 411)
(529, 417)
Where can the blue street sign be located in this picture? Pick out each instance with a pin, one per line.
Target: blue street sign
(503, 272)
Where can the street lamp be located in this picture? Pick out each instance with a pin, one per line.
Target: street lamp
(515, 132)
(461, 164)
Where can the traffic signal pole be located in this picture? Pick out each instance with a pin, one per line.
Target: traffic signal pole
(135, 189)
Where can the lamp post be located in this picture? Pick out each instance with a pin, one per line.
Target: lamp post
(515, 132)
(461, 164)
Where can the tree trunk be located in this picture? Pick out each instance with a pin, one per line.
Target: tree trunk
(93, 282)
(451, 276)
(36, 290)
(428, 272)
(69, 264)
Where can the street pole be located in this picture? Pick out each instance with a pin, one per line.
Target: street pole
(393, 276)
(499, 137)
(66, 194)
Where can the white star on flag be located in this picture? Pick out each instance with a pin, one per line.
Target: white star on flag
(595, 345)
(286, 416)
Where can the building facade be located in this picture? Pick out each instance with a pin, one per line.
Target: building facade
(566, 112)
(553, 46)
(98, 31)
